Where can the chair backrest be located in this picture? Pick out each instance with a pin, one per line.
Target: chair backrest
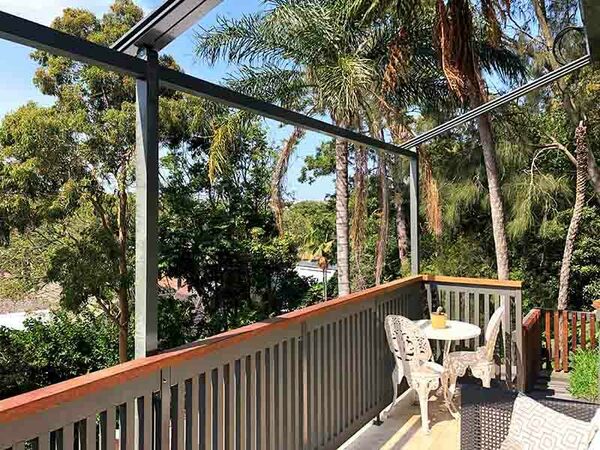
(491, 332)
(407, 341)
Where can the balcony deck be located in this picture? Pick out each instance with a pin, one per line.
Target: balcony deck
(402, 429)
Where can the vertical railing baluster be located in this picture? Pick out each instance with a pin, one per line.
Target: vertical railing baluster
(90, 435)
(305, 387)
(241, 384)
(193, 418)
(565, 343)
(110, 429)
(253, 389)
(231, 415)
(288, 435)
(181, 415)
(574, 330)
(280, 398)
(592, 330)
(583, 331)
(44, 440)
(263, 399)
(557, 365)
(209, 415)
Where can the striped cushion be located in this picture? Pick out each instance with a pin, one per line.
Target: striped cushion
(537, 427)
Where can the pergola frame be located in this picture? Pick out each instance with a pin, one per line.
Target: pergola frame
(150, 77)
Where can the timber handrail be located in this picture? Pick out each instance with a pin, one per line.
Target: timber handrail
(50, 396)
(491, 282)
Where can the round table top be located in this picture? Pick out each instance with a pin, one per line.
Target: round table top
(455, 330)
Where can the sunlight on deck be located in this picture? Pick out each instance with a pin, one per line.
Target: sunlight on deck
(402, 429)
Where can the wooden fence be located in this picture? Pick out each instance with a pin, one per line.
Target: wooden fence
(565, 332)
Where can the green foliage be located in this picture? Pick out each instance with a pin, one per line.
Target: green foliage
(221, 238)
(584, 378)
(319, 165)
(65, 345)
(56, 349)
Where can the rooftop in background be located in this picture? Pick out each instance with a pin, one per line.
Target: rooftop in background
(163, 25)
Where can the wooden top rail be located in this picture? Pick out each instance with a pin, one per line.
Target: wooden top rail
(50, 396)
(484, 282)
(531, 318)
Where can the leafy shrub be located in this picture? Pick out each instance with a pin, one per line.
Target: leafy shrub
(51, 350)
(66, 345)
(584, 378)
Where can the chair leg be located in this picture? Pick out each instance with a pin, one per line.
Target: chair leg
(484, 374)
(452, 377)
(422, 389)
(486, 379)
(395, 387)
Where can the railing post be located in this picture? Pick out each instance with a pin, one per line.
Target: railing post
(521, 381)
(414, 215)
(305, 412)
(146, 211)
(379, 372)
(507, 341)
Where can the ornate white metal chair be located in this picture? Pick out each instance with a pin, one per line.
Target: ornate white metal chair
(480, 361)
(412, 354)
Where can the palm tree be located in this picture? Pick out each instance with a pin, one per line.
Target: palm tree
(463, 70)
(333, 54)
(321, 251)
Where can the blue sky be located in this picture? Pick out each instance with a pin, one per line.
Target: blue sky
(16, 73)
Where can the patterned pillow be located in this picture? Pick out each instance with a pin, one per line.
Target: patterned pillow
(511, 444)
(595, 444)
(537, 427)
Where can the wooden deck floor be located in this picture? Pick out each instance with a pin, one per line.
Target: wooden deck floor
(402, 429)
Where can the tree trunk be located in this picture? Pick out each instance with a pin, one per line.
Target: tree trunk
(122, 293)
(399, 134)
(341, 215)
(384, 220)
(325, 283)
(359, 217)
(495, 193)
(401, 228)
(581, 155)
(278, 177)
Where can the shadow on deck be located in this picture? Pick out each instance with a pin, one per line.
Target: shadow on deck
(402, 429)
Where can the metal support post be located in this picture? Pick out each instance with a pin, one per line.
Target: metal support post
(414, 216)
(146, 213)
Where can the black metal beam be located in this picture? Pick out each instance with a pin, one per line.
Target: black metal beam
(495, 103)
(195, 86)
(29, 33)
(163, 25)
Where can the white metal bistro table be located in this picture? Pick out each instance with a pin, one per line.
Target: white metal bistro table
(455, 330)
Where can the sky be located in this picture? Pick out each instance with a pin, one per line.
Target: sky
(17, 70)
